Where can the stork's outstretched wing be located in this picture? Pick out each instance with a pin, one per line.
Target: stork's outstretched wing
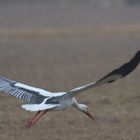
(22, 91)
(116, 74)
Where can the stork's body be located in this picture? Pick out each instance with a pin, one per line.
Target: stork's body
(63, 104)
(43, 101)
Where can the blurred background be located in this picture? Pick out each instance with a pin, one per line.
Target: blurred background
(61, 44)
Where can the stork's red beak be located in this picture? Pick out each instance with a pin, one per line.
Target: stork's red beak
(92, 117)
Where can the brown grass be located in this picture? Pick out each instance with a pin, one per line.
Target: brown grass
(62, 64)
(33, 52)
(86, 32)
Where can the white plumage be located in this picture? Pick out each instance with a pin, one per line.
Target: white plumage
(43, 101)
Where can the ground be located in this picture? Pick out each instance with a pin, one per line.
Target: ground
(63, 63)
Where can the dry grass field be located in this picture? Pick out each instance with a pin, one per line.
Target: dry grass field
(62, 64)
(60, 60)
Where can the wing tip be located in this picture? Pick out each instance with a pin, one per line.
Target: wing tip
(137, 55)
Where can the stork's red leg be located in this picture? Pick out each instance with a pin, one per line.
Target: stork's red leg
(34, 116)
(39, 116)
(34, 120)
(29, 123)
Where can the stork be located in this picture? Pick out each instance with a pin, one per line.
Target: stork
(42, 101)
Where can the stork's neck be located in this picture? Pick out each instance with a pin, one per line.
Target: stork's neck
(76, 104)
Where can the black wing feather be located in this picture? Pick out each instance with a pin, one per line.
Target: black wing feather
(116, 74)
(122, 71)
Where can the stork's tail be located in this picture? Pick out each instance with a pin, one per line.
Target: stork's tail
(39, 107)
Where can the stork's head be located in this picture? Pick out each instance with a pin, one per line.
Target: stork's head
(84, 109)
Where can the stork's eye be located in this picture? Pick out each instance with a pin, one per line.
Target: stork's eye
(86, 108)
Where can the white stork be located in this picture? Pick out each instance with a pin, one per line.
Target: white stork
(43, 101)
